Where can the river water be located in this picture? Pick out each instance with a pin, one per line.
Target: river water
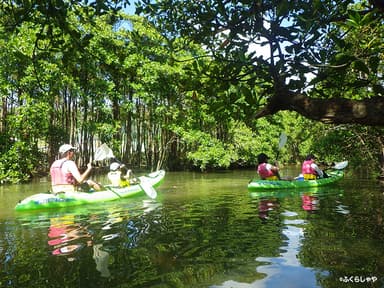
(203, 230)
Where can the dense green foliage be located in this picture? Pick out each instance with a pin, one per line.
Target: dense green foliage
(89, 74)
(273, 51)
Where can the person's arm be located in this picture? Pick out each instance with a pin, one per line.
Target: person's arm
(76, 173)
(274, 169)
(318, 170)
(127, 176)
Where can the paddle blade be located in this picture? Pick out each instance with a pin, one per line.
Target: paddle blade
(110, 153)
(148, 188)
(282, 140)
(103, 152)
(340, 165)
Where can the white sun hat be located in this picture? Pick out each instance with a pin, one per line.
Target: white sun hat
(114, 166)
(66, 147)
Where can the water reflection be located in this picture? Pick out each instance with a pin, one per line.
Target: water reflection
(286, 269)
(71, 234)
(212, 234)
(310, 203)
(64, 235)
(102, 261)
(266, 205)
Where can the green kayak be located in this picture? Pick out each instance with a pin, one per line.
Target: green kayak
(48, 200)
(290, 193)
(258, 184)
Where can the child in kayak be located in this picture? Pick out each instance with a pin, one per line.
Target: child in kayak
(119, 175)
(265, 170)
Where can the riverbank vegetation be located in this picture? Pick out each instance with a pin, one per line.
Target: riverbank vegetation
(162, 95)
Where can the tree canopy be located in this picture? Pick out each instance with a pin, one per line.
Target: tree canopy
(324, 60)
(194, 84)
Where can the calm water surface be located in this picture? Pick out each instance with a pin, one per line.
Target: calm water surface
(204, 230)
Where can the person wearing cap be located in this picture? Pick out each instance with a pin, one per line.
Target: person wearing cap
(265, 170)
(65, 175)
(117, 176)
(310, 170)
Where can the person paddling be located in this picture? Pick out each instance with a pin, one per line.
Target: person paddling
(65, 175)
(310, 170)
(265, 170)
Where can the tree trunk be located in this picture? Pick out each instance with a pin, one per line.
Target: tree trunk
(127, 149)
(381, 176)
(381, 159)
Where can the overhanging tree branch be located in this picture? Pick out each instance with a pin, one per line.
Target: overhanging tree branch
(368, 111)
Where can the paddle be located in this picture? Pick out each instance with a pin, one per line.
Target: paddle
(105, 152)
(340, 165)
(282, 142)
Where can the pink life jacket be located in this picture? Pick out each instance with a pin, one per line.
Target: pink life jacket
(264, 172)
(58, 176)
(306, 168)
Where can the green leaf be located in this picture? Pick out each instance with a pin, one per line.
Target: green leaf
(344, 58)
(360, 66)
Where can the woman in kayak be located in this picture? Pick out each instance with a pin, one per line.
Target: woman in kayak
(310, 170)
(65, 175)
(265, 170)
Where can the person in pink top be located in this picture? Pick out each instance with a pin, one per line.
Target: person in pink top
(265, 170)
(310, 170)
(65, 175)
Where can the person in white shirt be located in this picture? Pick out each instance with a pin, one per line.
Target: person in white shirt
(65, 175)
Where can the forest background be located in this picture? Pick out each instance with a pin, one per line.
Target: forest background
(87, 73)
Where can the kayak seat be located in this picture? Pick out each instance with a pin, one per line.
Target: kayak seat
(310, 177)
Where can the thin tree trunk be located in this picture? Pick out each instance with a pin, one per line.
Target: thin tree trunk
(127, 148)
(381, 158)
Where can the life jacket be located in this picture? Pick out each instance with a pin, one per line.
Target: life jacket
(264, 172)
(58, 176)
(116, 181)
(306, 168)
(114, 177)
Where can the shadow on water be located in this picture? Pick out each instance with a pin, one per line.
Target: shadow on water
(204, 230)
